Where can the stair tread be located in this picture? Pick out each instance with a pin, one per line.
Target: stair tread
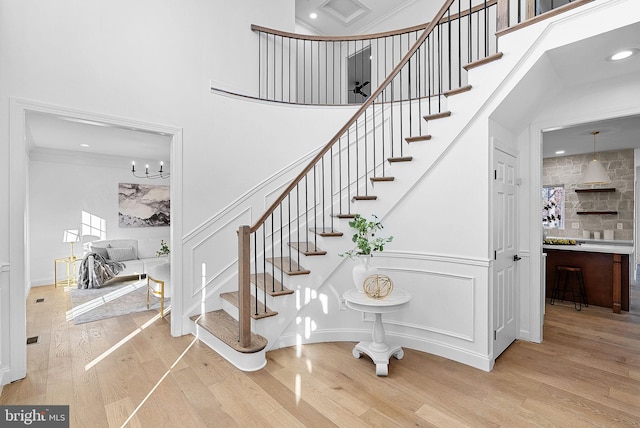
(457, 91)
(307, 248)
(274, 287)
(417, 138)
(400, 159)
(226, 328)
(364, 198)
(344, 215)
(434, 116)
(288, 266)
(482, 61)
(376, 179)
(325, 231)
(262, 310)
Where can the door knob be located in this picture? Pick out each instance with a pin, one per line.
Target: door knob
(516, 258)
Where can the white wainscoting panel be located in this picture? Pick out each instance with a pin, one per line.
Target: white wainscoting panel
(442, 302)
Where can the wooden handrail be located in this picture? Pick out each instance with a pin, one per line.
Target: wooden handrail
(380, 35)
(447, 4)
(314, 38)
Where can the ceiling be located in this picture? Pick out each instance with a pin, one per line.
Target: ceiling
(347, 17)
(46, 132)
(615, 134)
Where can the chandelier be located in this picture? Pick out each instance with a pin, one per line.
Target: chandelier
(160, 174)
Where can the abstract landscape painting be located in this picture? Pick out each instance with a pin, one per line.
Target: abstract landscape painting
(144, 205)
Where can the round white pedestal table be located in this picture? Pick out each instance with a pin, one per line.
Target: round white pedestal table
(377, 349)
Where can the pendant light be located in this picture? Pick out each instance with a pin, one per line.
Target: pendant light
(594, 173)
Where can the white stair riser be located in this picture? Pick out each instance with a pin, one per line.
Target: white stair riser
(245, 362)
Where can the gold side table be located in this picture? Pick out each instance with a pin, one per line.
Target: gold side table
(71, 271)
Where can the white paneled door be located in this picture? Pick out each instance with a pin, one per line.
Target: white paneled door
(505, 251)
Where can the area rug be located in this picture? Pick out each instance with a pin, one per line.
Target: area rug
(115, 299)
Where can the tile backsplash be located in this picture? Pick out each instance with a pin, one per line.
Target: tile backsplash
(567, 170)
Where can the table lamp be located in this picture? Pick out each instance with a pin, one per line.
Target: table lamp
(71, 236)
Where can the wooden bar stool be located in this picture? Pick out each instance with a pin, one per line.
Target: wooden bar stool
(563, 279)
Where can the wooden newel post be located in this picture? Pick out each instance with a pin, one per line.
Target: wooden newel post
(503, 15)
(244, 287)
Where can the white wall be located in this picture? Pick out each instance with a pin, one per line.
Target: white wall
(80, 184)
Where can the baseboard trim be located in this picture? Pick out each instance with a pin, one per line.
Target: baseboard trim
(463, 356)
(41, 283)
(5, 377)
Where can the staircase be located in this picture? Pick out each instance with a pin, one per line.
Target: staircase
(402, 131)
(222, 325)
(285, 248)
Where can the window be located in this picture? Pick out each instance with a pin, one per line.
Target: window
(93, 225)
(553, 207)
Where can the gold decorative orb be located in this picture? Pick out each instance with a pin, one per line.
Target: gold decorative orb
(377, 286)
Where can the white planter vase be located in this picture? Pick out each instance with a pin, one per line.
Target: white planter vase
(361, 271)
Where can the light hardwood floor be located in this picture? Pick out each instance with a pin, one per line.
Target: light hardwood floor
(129, 370)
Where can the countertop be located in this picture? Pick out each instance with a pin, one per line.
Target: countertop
(593, 248)
(593, 245)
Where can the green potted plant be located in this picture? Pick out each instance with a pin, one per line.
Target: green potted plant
(366, 244)
(164, 249)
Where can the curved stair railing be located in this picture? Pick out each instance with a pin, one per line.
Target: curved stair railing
(303, 69)
(358, 156)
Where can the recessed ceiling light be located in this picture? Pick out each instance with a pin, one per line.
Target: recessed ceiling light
(623, 54)
(84, 145)
(560, 152)
(313, 15)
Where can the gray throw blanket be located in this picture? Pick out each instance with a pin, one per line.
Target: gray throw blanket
(95, 270)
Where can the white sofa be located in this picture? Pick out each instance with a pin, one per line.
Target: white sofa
(126, 251)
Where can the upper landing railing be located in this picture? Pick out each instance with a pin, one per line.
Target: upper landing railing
(325, 70)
